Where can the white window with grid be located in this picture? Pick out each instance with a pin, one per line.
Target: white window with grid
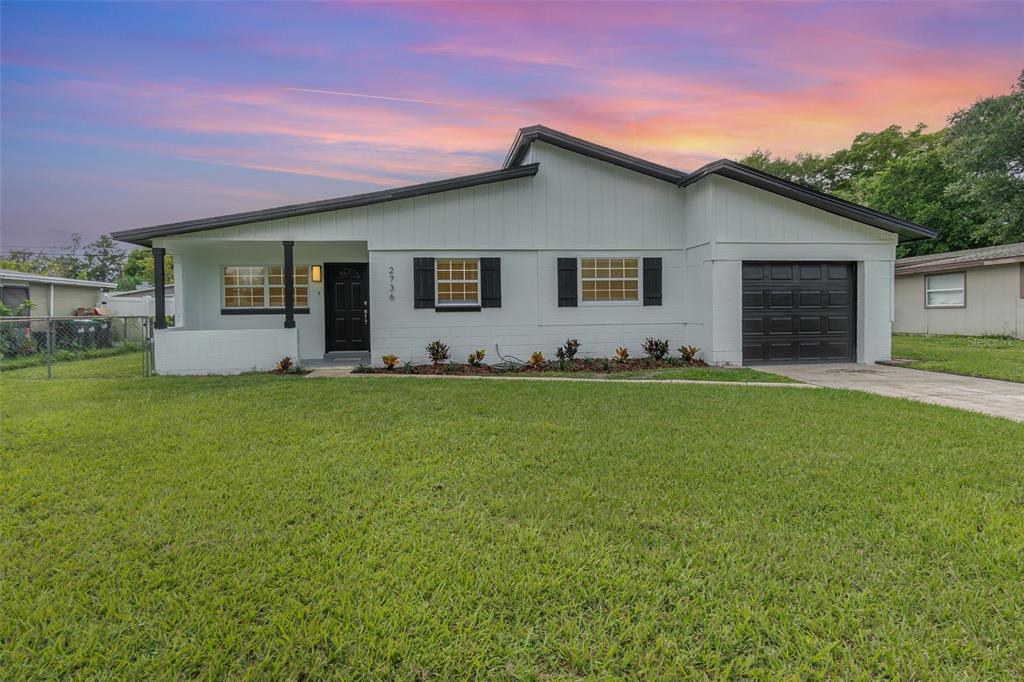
(262, 286)
(610, 280)
(457, 282)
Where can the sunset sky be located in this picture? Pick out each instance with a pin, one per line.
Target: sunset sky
(124, 115)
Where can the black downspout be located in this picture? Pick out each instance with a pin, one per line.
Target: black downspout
(289, 286)
(158, 288)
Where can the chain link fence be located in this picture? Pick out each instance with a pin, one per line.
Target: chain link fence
(75, 347)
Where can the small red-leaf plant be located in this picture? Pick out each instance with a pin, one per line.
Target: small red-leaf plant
(688, 353)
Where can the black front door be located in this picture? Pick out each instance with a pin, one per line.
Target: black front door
(347, 297)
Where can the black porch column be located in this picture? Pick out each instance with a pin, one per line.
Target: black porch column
(158, 288)
(289, 286)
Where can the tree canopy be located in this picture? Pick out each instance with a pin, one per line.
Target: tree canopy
(966, 180)
(101, 260)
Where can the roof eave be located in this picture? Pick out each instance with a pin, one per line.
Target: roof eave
(145, 236)
(826, 202)
(927, 268)
(527, 136)
(49, 279)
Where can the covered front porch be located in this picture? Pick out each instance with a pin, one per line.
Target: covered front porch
(242, 306)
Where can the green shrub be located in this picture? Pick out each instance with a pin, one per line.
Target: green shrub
(655, 349)
(568, 350)
(438, 351)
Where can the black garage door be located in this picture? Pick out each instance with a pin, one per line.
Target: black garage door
(798, 312)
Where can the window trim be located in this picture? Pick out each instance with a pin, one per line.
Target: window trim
(639, 282)
(472, 306)
(266, 309)
(962, 289)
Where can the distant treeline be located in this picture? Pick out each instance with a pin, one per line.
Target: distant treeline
(102, 260)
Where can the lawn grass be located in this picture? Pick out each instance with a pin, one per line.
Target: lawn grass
(286, 528)
(992, 357)
(744, 374)
(107, 362)
(67, 355)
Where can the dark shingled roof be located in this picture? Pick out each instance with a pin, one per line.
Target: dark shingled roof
(958, 260)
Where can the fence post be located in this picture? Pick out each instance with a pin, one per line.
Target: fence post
(49, 347)
(149, 343)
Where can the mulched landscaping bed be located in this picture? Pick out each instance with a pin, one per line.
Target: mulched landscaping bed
(602, 365)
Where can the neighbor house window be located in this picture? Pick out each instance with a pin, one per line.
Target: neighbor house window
(261, 286)
(944, 291)
(458, 281)
(610, 279)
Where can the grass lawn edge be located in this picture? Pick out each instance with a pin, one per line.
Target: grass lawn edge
(590, 379)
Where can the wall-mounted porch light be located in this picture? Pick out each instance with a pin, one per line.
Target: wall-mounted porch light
(317, 273)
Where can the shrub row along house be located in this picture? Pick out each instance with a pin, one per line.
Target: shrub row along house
(568, 238)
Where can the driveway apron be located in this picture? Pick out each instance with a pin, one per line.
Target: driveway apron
(997, 398)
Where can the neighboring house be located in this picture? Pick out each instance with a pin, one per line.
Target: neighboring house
(978, 291)
(568, 239)
(53, 296)
(140, 301)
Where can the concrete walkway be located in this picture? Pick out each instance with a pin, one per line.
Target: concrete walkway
(997, 398)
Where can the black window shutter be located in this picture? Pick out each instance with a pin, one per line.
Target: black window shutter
(423, 282)
(490, 282)
(652, 281)
(567, 296)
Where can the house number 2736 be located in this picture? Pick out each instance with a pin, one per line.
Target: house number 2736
(391, 283)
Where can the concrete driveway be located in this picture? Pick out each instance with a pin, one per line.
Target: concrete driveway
(998, 398)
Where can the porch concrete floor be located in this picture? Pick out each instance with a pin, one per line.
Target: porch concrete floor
(328, 370)
(335, 364)
(997, 398)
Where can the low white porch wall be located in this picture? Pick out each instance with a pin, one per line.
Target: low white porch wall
(222, 351)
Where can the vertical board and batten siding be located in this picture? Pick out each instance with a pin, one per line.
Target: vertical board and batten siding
(573, 207)
(748, 224)
(574, 201)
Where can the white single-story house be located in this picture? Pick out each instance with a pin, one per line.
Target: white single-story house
(972, 292)
(567, 239)
(52, 296)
